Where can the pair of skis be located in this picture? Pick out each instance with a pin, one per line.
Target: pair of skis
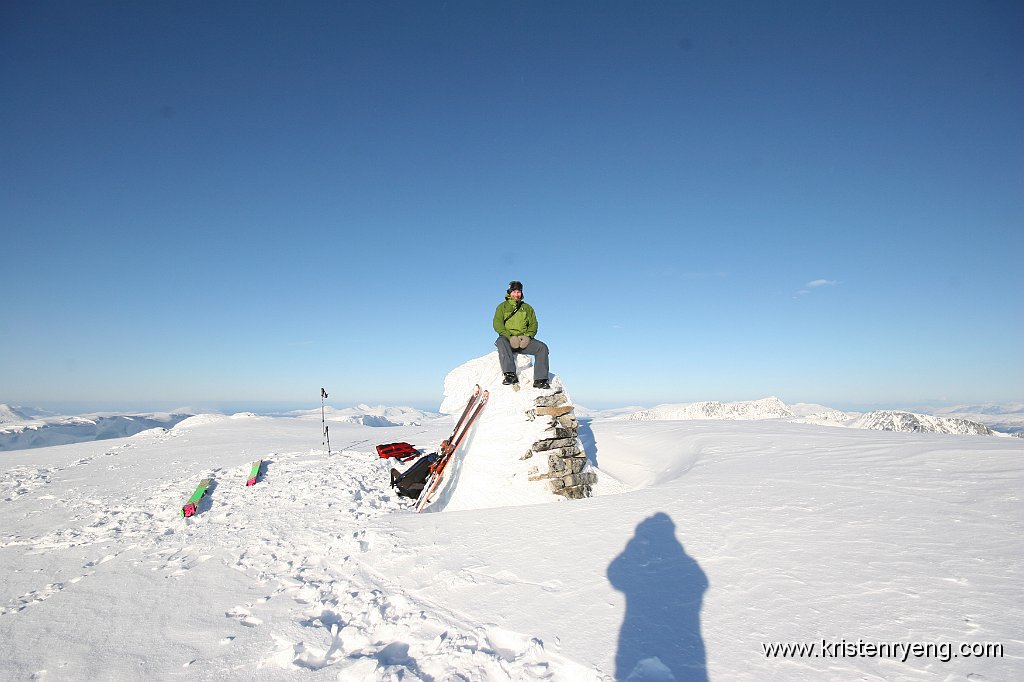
(192, 504)
(448, 447)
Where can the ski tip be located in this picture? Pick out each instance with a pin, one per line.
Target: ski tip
(251, 481)
(188, 510)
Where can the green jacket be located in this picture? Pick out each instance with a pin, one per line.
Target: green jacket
(523, 323)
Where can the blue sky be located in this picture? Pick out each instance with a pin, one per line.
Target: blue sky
(241, 202)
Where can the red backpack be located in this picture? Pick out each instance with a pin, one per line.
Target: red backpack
(403, 452)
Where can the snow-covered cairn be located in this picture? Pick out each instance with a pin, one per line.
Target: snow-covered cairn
(523, 448)
(566, 471)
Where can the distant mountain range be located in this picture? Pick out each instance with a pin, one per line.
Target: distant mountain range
(22, 428)
(774, 408)
(766, 408)
(366, 415)
(19, 430)
(891, 420)
(1008, 418)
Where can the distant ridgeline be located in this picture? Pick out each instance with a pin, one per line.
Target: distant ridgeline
(20, 432)
(890, 420)
(773, 408)
(365, 415)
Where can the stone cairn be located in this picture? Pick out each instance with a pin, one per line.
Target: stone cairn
(566, 460)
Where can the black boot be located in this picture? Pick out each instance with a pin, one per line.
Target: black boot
(510, 378)
(541, 383)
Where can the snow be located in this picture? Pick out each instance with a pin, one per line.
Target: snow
(705, 540)
(19, 431)
(491, 471)
(804, 413)
(1007, 418)
(891, 420)
(12, 415)
(766, 408)
(380, 415)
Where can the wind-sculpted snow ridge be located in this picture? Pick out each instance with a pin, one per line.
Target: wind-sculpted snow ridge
(213, 418)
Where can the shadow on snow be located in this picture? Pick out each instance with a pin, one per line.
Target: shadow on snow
(587, 439)
(660, 639)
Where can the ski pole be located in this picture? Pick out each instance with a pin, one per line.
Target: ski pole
(323, 421)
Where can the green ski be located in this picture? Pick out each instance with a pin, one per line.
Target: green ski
(255, 472)
(190, 507)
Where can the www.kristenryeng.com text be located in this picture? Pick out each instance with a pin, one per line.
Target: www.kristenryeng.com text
(901, 651)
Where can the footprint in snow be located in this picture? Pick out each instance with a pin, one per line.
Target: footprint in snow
(97, 562)
(244, 616)
(30, 598)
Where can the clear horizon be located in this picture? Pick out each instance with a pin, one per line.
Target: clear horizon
(219, 203)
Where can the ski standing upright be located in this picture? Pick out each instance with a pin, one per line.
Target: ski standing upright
(448, 447)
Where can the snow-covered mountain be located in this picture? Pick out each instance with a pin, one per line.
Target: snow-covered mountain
(367, 415)
(766, 408)
(988, 409)
(12, 415)
(804, 413)
(61, 430)
(1008, 418)
(894, 420)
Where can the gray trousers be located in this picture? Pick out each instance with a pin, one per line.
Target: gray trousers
(507, 358)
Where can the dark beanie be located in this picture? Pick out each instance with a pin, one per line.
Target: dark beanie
(514, 286)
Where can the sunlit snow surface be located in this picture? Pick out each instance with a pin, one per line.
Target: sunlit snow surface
(705, 540)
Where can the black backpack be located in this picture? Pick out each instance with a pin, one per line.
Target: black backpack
(411, 482)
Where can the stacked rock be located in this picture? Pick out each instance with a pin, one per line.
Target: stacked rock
(566, 461)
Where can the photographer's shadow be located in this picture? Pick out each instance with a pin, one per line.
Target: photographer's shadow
(660, 639)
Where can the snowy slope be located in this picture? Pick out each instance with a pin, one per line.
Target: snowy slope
(706, 541)
(12, 415)
(728, 535)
